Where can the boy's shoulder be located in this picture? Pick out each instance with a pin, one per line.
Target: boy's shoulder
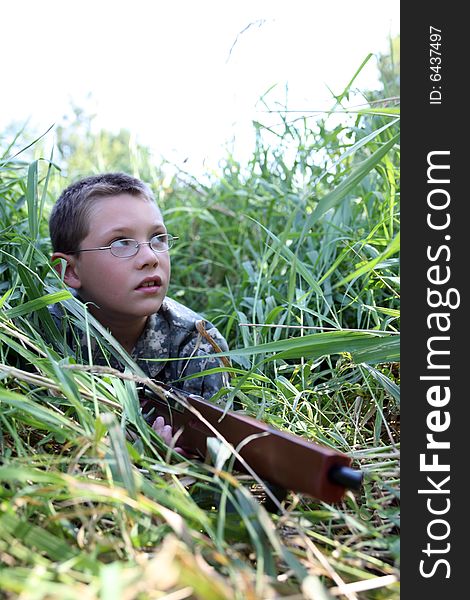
(174, 327)
(172, 332)
(178, 315)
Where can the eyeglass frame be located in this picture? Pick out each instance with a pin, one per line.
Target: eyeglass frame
(171, 239)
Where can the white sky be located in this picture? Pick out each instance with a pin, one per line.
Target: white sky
(163, 68)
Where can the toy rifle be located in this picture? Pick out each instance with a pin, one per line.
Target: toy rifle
(280, 458)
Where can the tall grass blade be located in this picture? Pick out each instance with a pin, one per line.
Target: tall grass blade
(333, 199)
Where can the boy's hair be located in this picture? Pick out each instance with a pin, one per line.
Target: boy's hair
(69, 222)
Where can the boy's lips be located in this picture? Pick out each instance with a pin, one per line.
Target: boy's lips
(150, 284)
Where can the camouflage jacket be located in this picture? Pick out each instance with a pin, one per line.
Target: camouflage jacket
(169, 333)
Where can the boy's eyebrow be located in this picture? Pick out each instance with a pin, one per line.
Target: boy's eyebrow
(123, 229)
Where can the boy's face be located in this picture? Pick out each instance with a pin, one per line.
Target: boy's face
(115, 284)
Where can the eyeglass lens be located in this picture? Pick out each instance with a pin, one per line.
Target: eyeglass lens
(129, 247)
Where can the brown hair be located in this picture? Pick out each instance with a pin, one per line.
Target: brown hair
(69, 223)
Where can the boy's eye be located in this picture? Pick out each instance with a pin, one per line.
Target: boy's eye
(125, 243)
(159, 240)
(162, 237)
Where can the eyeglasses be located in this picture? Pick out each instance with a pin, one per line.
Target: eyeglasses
(129, 247)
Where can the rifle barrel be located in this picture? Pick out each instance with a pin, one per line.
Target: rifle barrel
(351, 479)
(279, 457)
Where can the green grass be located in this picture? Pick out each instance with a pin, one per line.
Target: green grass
(294, 256)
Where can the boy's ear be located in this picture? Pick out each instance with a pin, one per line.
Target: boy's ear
(66, 270)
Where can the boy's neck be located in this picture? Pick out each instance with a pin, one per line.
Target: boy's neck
(127, 333)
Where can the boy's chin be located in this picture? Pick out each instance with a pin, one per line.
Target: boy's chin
(151, 309)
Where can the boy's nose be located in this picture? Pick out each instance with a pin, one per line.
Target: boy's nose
(146, 256)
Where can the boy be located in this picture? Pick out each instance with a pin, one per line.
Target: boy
(111, 235)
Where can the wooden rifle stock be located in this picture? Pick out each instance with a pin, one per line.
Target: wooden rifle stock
(280, 458)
